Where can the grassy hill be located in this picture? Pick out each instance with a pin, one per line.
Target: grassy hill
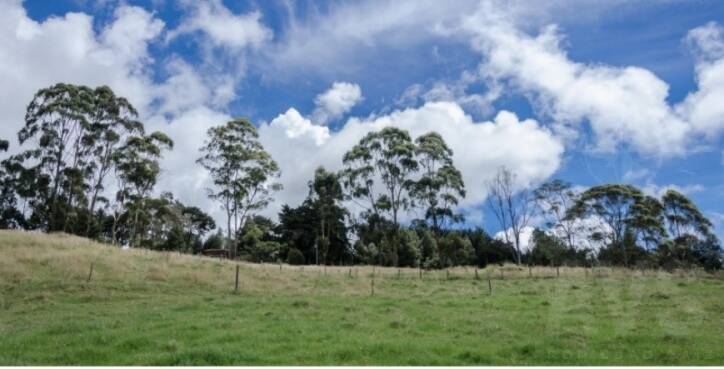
(143, 307)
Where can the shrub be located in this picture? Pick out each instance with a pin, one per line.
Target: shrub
(295, 257)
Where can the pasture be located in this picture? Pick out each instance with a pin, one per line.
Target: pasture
(144, 307)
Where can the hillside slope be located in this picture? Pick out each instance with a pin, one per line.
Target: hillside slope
(143, 307)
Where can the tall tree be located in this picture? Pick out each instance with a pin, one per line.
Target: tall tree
(111, 121)
(554, 198)
(683, 217)
(242, 172)
(618, 207)
(648, 222)
(441, 185)
(512, 208)
(56, 120)
(138, 166)
(10, 216)
(325, 192)
(386, 156)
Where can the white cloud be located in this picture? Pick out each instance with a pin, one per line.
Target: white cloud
(658, 191)
(223, 28)
(335, 102)
(705, 107)
(337, 39)
(479, 147)
(581, 239)
(636, 174)
(68, 49)
(38, 54)
(707, 41)
(623, 105)
(180, 173)
(454, 91)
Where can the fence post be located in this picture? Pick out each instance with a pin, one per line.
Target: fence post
(447, 273)
(372, 292)
(398, 273)
(420, 270)
(558, 272)
(490, 285)
(476, 274)
(236, 281)
(90, 274)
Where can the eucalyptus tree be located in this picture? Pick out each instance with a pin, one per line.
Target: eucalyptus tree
(648, 222)
(388, 157)
(682, 217)
(138, 170)
(56, 123)
(242, 171)
(554, 198)
(325, 192)
(10, 216)
(512, 207)
(619, 209)
(111, 121)
(441, 185)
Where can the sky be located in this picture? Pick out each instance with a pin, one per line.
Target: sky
(587, 91)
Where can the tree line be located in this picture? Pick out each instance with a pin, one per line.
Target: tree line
(87, 166)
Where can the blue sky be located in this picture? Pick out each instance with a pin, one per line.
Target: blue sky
(665, 60)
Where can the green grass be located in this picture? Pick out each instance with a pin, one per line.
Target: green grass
(166, 309)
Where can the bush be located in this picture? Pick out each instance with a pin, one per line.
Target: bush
(295, 257)
(215, 241)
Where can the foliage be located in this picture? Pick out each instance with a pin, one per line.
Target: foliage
(242, 172)
(295, 257)
(441, 185)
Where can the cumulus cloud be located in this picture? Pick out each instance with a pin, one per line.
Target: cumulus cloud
(180, 174)
(479, 147)
(335, 102)
(705, 107)
(623, 105)
(116, 56)
(526, 237)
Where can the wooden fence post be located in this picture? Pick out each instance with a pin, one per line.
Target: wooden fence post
(490, 285)
(372, 284)
(236, 281)
(90, 274)
(476, 274)
(447, 273)
(558, 272)
(420, 270)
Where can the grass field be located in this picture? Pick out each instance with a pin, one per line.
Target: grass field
(143, 307)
